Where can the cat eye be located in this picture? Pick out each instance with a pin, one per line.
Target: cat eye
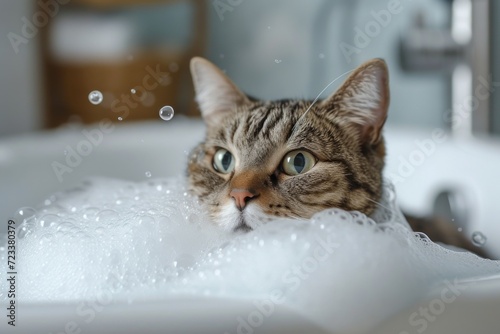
(223, 161)
(298, 162)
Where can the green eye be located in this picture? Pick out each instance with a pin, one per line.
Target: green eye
(298, 162)
(223, 161)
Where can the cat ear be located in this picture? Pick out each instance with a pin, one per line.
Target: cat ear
(215, 93)
(363, 100)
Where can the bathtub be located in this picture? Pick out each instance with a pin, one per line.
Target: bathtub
(32, 167)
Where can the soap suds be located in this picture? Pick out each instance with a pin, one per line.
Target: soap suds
(152, 240)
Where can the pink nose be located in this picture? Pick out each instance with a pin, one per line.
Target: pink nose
(241, 197)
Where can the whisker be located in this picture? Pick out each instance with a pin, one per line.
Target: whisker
(378, 203)
(317, 98)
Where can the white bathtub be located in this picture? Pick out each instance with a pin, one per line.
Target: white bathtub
(130, 151)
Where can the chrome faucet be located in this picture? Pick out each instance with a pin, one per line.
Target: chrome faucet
(462, 50)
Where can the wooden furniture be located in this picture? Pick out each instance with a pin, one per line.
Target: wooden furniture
(130, 86)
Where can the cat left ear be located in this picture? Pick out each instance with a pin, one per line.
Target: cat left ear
(215, 93)
(363, 100)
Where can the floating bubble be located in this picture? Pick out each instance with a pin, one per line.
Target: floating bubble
(133, 91)
(166, 113)
(321, 56)
(148, 174)
(95, 97)
(120, 118)
(277, 61)
(478, 239)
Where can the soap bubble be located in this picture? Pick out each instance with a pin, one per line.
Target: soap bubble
(277, 61)
(478, 239)
(146, 220)
(25, 214)
(23, 232)
(90, 213)
(166, 113)
(48, 220)
(185, 261)
(106, 215)
(45, 239)
(133, 239)
(148, 174)
(95, 97)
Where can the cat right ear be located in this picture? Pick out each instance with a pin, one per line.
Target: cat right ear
(215, 93)
(362, 101)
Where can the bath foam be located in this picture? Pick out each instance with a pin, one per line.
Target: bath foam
(152, 240)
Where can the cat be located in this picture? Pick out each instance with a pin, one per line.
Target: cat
(294, 158)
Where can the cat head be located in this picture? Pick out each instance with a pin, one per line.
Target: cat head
(266, 159)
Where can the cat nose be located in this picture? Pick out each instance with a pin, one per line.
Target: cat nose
(242, 196)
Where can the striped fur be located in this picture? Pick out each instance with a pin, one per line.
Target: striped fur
(343, 132)
(347, 174)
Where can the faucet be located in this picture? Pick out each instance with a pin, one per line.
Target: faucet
(462, 51)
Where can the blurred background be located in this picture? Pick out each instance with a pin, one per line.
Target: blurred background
(55, 52)
(134, 55)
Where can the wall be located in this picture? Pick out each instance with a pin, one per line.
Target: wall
(304, 38)
(19, 77)
(272, 49)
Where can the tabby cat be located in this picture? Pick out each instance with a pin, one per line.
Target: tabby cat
(293, 158)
